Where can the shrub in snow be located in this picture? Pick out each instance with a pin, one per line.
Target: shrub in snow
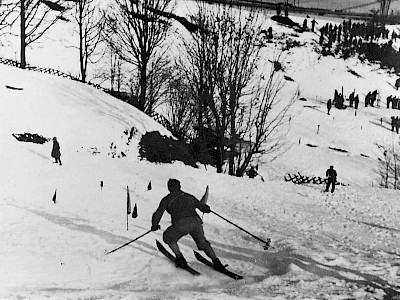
(29, 137)
(157, 148)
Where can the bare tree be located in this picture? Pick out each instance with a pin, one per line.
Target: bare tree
(90, 26)
(260, 123)
(181, 106)
(111, 72)
(6, 10)
(388, 169)
(159, 73)
(115, 72)
(35, 17)
(136, 33)
(222, 64)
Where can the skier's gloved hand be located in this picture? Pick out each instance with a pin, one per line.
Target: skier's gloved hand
(207, 209)
(155, 227)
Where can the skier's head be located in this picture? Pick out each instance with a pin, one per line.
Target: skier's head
(331, 167)
(174, 185)
(54, 139)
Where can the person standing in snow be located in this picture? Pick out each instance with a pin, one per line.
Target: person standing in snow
(313, 22)
(329, 105)
(305, 24)
(182, 208)
(392, 122)
(55, 152)
(331, 176)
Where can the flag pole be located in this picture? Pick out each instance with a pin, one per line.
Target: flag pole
(128, 207)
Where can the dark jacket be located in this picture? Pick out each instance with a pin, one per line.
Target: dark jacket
(179, 205)
(55, 152)
(331, 174)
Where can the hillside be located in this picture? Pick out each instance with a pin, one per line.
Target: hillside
(340, 246)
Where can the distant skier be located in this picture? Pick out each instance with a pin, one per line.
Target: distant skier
(55, 152)
(329, 105)
(182, 208)
(331, 176)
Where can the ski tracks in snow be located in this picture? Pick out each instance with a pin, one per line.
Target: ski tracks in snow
(365, 231)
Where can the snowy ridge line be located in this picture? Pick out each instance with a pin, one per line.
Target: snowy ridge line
(13, 63)
(301, 179)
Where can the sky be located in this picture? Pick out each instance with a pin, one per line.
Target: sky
(344, 245)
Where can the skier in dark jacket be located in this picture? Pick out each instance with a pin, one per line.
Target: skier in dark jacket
(331, 175)
(182, 208)
(55, 152)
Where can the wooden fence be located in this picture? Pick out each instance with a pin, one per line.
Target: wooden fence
(302, 179)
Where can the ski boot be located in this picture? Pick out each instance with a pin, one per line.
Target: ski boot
(180, 262)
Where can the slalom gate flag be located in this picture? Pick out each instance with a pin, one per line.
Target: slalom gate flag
(134, 213)
(205, 196)
(128, 201)
(55, 196)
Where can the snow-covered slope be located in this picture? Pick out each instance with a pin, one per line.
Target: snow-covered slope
(340, 246)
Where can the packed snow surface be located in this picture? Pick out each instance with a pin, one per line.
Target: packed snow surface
(344, 245)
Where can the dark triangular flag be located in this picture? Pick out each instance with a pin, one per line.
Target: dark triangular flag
(288, 78)
(55, 196)
(149, 186)
(205, 196)
(62, 18)
(134, 213)
(128, 201)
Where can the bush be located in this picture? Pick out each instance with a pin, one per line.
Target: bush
(161, 149)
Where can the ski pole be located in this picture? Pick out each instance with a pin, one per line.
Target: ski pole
(267, 242)
(126, 244)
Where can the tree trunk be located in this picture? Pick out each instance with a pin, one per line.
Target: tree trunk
(219, 159)
(81, 50)
(232, 103)
(143, 87)
(23, 36)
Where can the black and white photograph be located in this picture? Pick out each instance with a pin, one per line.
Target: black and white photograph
(200, 149)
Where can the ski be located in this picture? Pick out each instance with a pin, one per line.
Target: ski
(210, 264)
(172, 258)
